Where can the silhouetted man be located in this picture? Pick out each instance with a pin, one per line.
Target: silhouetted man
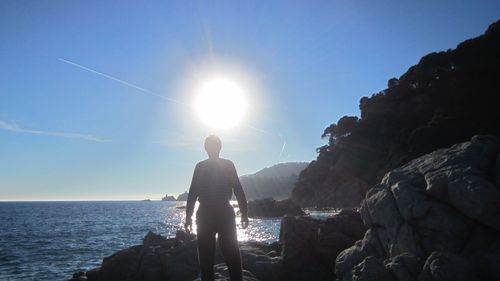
(214, 181)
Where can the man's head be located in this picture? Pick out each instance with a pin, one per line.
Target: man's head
(213, 146)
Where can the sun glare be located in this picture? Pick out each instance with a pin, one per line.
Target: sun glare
(220, 103)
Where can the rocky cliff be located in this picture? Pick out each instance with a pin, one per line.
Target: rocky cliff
(445, 99)
(433, 219)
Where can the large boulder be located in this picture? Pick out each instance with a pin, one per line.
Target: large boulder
(158, 258)
(309, 246)
(271, 208)
(435, 218)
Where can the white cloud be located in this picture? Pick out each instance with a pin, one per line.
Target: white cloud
(9, 126)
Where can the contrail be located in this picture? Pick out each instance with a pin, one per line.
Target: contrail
(9, 126)
(259, 130)
(146, 91)
(269, 133)
(121, 81)
(282, 149)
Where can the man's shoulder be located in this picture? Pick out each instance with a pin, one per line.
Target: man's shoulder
(227, 161)
(228, 164)
(221, 161)
(201, 163)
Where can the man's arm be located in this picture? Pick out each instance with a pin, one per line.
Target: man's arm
(192, 196)
(240, 195)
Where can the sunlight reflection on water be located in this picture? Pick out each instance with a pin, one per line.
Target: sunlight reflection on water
(261, 230)
(52, 240)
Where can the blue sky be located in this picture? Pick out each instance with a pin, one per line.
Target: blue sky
(70, 133)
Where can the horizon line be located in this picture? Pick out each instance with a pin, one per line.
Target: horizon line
(83, 200)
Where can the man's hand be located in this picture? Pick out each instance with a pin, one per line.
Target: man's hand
(244, 222)
(188, 225)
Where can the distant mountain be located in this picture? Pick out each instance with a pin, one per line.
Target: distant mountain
(276, 181)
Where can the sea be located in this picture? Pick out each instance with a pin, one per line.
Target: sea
(52, 240)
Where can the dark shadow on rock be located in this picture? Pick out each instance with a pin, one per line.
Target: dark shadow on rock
(435, 218)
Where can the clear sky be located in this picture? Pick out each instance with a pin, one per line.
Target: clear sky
(95, 96)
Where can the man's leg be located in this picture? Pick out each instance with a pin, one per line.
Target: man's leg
(228, 242)
(206, 252)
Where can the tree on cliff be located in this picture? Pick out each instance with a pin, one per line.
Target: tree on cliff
(446, 98)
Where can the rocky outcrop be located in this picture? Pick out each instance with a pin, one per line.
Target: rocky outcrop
(158, 258)
(183, 196)
(446, 98)
(435, 218)
(269, 208)
(309, 246)
(306, 251)
(176, 259)
(168, 198)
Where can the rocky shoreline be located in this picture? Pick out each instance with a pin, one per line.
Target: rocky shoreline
(270, 208)
(307, 247)
(433, 219)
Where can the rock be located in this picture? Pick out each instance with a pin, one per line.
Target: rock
(182, 236)
(122, 265)
(160, 258)
(93, 274)
(168, 198)
(441, 208)
(355, 254)
(181, 261)
(263, 260)
(222, 274)
(371, 269)
(183, 196)
(153, 239)
(271, 208)
(404, 267)
(79, 276)
(310, 246)
(446, 266)
(306, 251)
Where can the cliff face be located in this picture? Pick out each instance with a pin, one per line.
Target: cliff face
(433, 219)
(446, 98)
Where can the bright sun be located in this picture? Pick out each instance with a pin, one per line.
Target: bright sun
(220, 103)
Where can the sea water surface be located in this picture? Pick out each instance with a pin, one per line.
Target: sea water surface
(52, 240)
